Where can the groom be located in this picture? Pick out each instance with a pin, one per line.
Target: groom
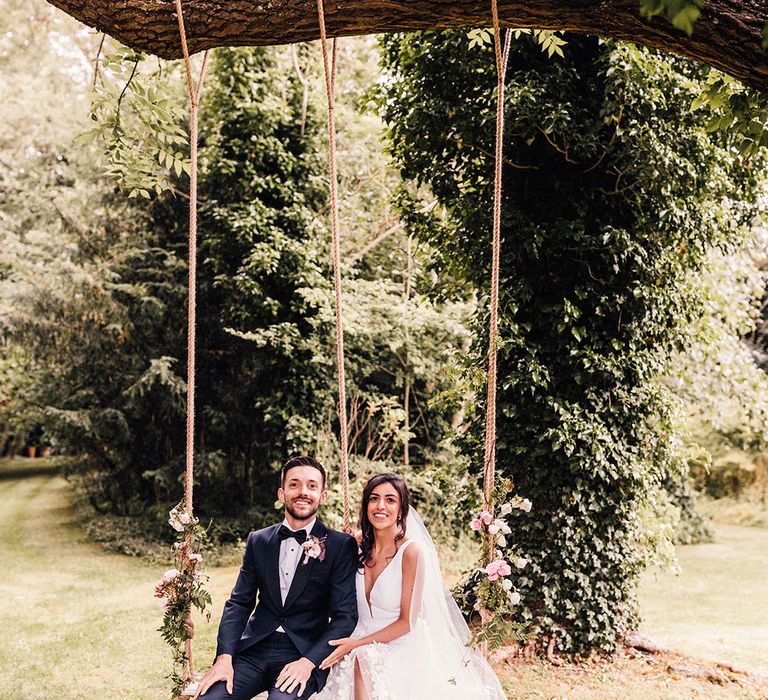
(304, 575)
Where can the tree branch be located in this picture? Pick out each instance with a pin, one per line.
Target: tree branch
(727, 36)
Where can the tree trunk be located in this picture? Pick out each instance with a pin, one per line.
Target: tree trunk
(726, 36)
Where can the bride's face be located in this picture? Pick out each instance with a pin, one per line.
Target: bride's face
(384, 506)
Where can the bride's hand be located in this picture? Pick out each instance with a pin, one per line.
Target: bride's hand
(343, 647)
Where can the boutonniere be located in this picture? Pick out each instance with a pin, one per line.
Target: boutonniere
(314, 548)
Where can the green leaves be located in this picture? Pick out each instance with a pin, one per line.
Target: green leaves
(479, 38)
(550, 42)
(740, 114)
(682, 14)
(614, 194)
(139, 116)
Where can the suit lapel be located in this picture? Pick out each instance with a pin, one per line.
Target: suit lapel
(272, 566)
(303, 571)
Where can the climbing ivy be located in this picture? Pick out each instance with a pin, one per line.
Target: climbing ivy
(614, 192)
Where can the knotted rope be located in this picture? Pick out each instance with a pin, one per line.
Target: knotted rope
(329, 69)
(489, 471)
(194, 99)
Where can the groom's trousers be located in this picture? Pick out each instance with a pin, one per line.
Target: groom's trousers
(257, 669)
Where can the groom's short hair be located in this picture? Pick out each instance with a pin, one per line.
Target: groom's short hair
(301, 461)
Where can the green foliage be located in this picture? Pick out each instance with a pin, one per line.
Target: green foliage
(681, 13)
(139, 123)
(550, 42)
(613, 195)
(738, 113)
(265, 324)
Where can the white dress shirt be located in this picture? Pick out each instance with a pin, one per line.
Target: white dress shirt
(290, 556)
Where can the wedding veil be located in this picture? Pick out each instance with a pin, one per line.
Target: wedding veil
(465, 667)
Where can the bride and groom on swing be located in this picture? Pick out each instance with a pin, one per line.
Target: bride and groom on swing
(338, 620)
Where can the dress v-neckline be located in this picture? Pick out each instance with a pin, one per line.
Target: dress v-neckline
(369, 596)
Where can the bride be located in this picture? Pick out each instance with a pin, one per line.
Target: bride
(410, 640)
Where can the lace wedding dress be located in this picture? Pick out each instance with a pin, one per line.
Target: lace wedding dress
(432, 661)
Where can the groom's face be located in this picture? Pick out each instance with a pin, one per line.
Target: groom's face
(302, 492)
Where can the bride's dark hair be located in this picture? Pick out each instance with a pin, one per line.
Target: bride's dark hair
(366, 539)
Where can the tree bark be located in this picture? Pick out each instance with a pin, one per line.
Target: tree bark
(726, 36)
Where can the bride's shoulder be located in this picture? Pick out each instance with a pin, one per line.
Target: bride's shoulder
(411, 550)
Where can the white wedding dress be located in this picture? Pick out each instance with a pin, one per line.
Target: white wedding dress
(432, 661)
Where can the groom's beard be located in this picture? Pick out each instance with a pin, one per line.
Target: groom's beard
(306, 515)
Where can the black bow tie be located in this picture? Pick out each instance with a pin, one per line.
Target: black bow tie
(299, 535)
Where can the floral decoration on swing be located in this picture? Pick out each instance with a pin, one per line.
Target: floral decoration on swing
(181, 589)
(490, 588)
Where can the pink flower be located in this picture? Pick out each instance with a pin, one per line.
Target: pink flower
(497, 568)
(196, 558)
(486, 517)
(169, 575)
(164, 604)
(314, 548)
(475, 524)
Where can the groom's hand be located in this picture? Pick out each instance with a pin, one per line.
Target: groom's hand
(220, 671)
(295, 674)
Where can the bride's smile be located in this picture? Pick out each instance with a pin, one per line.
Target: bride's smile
(384, 507)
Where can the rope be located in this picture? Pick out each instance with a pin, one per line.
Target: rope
(489, 470)
(330, 84)
(194, 99)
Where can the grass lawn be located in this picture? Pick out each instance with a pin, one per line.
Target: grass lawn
(81, 623)
(718, 606)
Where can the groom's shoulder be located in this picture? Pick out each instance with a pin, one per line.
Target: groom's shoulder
(337, 538)
(265, 533)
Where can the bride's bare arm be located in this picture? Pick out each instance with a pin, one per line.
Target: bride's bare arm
(410, 601)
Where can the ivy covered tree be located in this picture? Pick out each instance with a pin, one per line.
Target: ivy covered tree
(614, 194)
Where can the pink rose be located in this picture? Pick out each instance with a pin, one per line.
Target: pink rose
(497, 569)
(197, 558)
(475, 524)
(486, 517)
(492, 570)
(169, 575)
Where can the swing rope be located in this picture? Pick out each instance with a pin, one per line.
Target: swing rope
(194, 91)
(329, 70)
(489, 470)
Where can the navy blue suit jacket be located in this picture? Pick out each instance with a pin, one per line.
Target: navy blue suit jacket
(321, 604)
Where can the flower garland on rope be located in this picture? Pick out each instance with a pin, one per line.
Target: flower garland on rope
(181, 589)
(494, 591)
